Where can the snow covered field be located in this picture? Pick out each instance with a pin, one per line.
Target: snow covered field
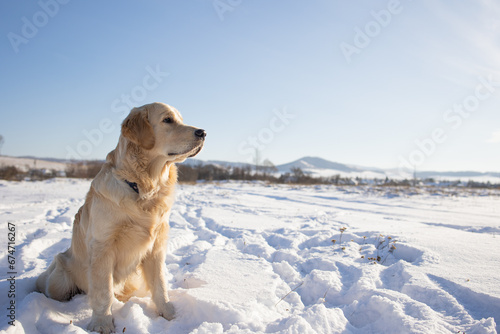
(251, 258)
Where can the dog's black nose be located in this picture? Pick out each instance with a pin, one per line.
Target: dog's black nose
(200, 133)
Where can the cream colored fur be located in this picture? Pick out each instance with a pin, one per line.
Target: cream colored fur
(119, 236)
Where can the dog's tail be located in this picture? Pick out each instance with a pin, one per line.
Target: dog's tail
(56, 282)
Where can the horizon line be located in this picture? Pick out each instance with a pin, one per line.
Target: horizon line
(61, 160)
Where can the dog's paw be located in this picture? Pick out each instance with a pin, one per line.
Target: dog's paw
(167, 311)
(102, 324)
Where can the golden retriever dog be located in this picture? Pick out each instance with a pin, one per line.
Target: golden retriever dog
(120, 232)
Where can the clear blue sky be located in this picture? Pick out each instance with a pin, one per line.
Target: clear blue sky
(373, 83)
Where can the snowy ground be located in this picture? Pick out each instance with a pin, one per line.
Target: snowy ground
(250, 258)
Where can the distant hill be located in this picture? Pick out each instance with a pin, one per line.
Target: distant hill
(314, 166)
(196, 162)
(463, 175)
(315, 163)
(321, 167)
(27, 163)
(30, 157)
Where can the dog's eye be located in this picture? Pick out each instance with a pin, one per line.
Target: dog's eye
(168, 120)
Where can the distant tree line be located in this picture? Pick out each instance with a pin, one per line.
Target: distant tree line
(12, 173)
(210, 172)
(84, 169)
(81, 169)
(247, 173)
(200, 172)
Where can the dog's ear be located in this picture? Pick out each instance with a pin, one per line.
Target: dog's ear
(137, 129)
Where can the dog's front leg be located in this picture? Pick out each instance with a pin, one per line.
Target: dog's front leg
(101, 291)
(153, 269)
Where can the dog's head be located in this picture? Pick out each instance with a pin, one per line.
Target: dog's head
(159, 129)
